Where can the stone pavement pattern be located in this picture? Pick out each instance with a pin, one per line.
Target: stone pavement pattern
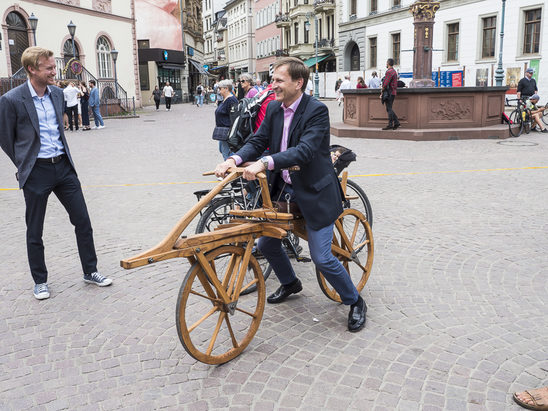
(457, 318)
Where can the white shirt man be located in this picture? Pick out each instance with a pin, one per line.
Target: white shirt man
(168, 91)
(71, 95)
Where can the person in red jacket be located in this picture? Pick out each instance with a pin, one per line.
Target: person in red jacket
(390, 84)
(262, 110)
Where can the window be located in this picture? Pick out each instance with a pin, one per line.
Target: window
(143, 76)
(306, 32)
(353, 7)
(396, 48)
(296, 34)
(396, 4)
(488, 37)
(531, 35)
(373, 6)
(373, 52)
(453, 42)
(355, 58)
(143, 44)
(103, 58)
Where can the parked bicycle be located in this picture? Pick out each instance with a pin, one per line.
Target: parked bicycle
(520, 120)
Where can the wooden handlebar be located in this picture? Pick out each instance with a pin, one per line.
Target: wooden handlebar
(234, 170)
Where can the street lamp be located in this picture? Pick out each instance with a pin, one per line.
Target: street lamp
(33, 21)
(114, 54)
(499, 72)
(316, 75)
(72, 29)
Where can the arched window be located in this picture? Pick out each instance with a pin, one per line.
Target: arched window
(355, 58)
(103, 58)
(17, 33)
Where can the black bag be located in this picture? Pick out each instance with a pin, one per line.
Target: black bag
(344, 157)
(220, 133)
(385, 95)
(243, 118)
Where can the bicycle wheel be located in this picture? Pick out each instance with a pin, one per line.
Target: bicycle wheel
(218, 213)
(211, 330)
(516, 123)
(527, 124)
(545, 116)
(353, 237)
(357, 199)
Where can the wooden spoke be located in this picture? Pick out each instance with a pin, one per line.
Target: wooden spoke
(356, 226)
(201, 320)
(215, 333)
(248, 285)
(246, 312)
(232, 337)
(215, 300)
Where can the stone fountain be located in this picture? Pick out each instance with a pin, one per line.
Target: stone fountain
(425, 112)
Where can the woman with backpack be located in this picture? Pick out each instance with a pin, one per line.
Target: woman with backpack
(222, 117)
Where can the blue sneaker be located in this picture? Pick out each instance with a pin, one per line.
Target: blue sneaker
(97, 279)
(41, 291)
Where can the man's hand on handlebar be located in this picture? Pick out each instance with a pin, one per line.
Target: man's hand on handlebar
(221, 169)
(250, 172)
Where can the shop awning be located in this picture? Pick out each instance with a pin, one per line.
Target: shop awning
(312, 60)
(199, 67)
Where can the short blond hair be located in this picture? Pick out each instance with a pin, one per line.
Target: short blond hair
(31, 57)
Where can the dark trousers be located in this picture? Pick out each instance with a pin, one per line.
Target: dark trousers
(60, 179)
(168, 103)
(157, 102)
(392, 117)
(73, 112)
(85, 113)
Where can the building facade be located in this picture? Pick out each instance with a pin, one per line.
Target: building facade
(241, 37)
(466, 39)
(267, 36)
(213, 38)
(171, 46)
(301, 21)
(101, 27)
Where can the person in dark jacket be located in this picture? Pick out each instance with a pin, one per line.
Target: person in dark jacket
(222, 113)
(527, 86)
(157, 96)
(296, 130)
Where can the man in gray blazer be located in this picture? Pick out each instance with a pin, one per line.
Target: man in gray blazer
(32, 136)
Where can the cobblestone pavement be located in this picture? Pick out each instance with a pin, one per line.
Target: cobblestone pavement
(457, 297)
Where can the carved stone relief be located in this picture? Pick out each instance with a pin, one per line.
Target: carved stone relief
(103, 5)
(351, 109)
(70, 2)
(424, 10)
(451, 110)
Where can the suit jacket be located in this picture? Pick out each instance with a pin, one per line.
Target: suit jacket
(20, 131)
(94, 97)
(316, 185)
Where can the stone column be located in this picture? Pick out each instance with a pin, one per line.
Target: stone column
(423, 13)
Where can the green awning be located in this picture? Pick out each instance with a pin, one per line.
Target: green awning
(312, 60)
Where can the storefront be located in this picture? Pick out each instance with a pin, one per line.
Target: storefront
(157, 67)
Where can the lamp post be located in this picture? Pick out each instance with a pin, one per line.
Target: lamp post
(316, 75)
(72, 29)
(114, 54)
(33, 21)
(499, 72)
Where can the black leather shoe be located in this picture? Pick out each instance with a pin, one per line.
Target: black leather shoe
(356, 316)
(388, 127)
(396, 126)
(285, 291)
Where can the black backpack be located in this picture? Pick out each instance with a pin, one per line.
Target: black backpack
(243, 117)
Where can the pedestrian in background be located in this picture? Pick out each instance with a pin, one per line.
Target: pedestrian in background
(361, 83)
(374, 81)
(338, 85)
(200, 95)
(248, 85)
(157, 96)
(71, 98)
(222, 116)
(527, 86)
(84, 100)
(345, 85)
(388, 94)
(95, 105)
(167, 92)
(31, 135)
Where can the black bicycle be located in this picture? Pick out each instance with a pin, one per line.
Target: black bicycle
(520, 119)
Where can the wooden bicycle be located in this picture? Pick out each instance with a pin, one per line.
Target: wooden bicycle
(215, 322)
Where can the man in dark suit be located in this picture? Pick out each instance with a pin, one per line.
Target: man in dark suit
(296, 130)
(32, 136)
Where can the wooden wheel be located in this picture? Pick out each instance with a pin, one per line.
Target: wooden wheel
(353, 246)
(214, 330)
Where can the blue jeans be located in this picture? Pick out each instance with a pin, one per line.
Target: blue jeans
(224, 149)
(97, 116)
(319, 243)
(200, 100)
